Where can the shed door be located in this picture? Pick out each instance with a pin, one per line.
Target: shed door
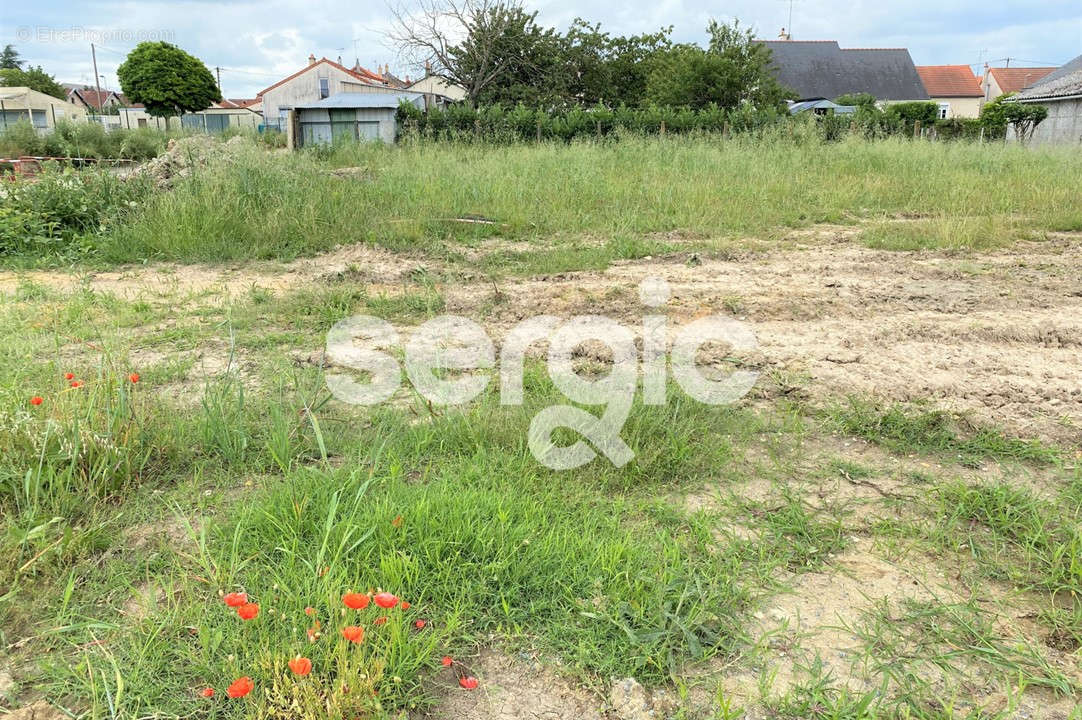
(343, 125)
(368, 130)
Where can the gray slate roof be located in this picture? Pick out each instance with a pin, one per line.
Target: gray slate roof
(350, 100)
(1062, 82)
(820, 68)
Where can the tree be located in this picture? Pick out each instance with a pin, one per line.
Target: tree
(1025, 118)
(609, 70)
(34, 78)
(9, 58)
(733, 70)
(860, 100)
(167, 80)
(469, 43)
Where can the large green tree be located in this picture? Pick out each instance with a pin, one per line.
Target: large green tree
(733, 69)
(9, 58)
(167, 80)
(34, 78)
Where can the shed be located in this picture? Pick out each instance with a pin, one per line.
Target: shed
(41, 110)
(352, 116)
(1061, 92)
(821, 106)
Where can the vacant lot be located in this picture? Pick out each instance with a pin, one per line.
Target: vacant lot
(886, 526)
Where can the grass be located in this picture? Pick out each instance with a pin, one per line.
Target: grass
(129, 509)
(275, 207)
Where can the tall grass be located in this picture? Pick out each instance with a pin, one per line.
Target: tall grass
(265, 206)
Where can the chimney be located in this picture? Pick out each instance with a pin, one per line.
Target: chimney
(339, 59)
(784, 35)
(428, 68)
(311, 59)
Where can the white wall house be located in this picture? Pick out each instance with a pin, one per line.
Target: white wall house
(320, 79)
(41, 110)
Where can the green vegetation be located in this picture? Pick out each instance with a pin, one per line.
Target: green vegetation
(167, 80)
(195, 451)
(82, 140)
(283, 207)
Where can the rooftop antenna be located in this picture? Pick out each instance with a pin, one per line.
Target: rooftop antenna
(789, 27)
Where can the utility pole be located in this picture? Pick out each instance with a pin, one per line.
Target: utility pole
(97, 82)
(218, 72)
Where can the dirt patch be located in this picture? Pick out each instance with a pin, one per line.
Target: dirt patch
(216, 284)
(515, 687)
(38, 711)
(996, 335)
(820, 627)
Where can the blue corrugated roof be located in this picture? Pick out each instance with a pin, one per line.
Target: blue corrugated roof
(348, 100)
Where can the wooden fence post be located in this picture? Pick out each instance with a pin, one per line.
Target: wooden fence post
(916, 129)
(662, 128)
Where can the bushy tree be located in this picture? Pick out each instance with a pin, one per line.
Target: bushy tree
(1004, 111)
(861, 100)
(733, 70)
(600, 68)
(167, 80)
(908, 114)
(9, 58)
(34, 78)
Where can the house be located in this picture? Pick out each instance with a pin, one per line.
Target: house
(1061, 92)
(822, 69)
(95, 101)
(348, 116)
(821, 106)
(954, 88)
(319, 80)
(41, 110)
(436, 85)
(998, 81)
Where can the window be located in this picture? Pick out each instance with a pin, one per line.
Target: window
(324, 87)
(944, 110)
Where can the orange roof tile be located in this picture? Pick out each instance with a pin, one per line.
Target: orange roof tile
(949, 81)
(1018, 78)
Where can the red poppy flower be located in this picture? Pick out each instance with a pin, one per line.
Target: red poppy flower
(240, 687)
(447, 661)
(76, 383)
(420, 624)
(36, 400)
(69, 376)
(353, 633)
(235, 599)
(397, 522)
(385, 600)
(300, 665)
(379, 620)
(355, 601)
(248, 611)
(309, 611)
(134, 377)
(208, 692)
(405, 605)
(468, 682)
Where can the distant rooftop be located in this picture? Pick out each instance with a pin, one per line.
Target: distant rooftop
(349, 100)
(950, 81)
(820, 68)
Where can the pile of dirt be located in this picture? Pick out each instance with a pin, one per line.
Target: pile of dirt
(182, 155)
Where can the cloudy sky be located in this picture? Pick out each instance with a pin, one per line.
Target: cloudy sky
(256, 43)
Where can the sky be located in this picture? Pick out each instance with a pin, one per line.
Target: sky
(256, 43)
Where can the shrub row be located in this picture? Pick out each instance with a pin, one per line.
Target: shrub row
(500, 124)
